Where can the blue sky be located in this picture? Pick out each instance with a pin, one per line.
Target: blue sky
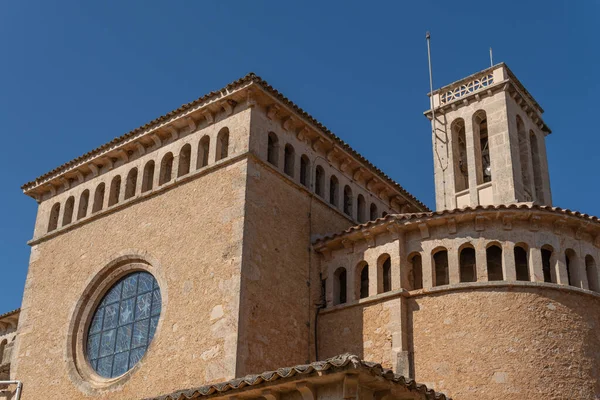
(75, 75)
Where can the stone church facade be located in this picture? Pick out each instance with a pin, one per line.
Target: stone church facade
(238, 235)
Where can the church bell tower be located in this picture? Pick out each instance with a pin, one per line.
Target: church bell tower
(489, 142)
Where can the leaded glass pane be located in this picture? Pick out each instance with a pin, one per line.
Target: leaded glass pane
(123, 338)
(111, 315)
(126, 311)
(126, 319)
(120, 363)
(145, 283)
(96, 324)
(130, 286)
(140, 333)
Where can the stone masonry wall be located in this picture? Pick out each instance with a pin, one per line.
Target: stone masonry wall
(193, 232)
(275, 303)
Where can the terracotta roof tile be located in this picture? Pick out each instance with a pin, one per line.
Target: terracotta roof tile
(8, 314)
(466, 210)
(338, 363)
(251, 77)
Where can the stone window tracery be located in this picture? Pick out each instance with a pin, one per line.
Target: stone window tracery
(123, 324)
(467, 88)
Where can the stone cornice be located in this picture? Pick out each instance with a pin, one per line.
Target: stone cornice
(483, 217)
(246, 92)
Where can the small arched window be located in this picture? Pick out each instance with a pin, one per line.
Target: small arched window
(592, 273)
(385, 271)
(571, 264)
(203, 151)
(334, 188)
(524, 155)
(416, 271)
(273, 149)
(363, 289)
(373, 213)
(288, 160)
(521, 264)
(537, 168)
(339, 286)
(440, 262)
(166, 169)
(148, 178)
(98, 198)
(84, 201)
(360, 208)
(115, 191)
(546, 263)
(185, 154)
(222, 144)
(320, 181)
(2, 348)
(53, 221)
(493, 255)
(347, 200)
(131, 183)
(482, 147)
(304, 170)
(384, 214)
(459, 152)
(68, 215)
(468, 270)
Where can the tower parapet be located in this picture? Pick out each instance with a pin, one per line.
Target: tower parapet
(488, 142)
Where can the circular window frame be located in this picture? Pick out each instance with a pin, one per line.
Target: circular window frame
(80, 369)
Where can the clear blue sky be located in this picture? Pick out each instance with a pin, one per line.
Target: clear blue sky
(76, 74)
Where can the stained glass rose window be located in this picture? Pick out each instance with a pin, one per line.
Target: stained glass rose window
(123, 325)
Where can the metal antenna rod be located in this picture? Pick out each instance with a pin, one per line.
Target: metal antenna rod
(491, 58)
(428, 38)
(434, 129)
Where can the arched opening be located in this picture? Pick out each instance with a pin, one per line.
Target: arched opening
(68, 215)
(459, 151)
(360, 208)
(185, 155)
(115, 191)
(333, 190)
(222, 144)
(385, 269)
(468, 269)
(84, 201)
(347, 200)
(131, 183)
(320, 181)
(339, 286)
(493, 255)
(524, 157)
(416, 271)
(363, 269)
(273, 149)
(537, 168)
(440, 262)
(2, 348)
(482, 147)
(570, 263)
(98, 198)
(288, 160)
(591, 272)
(203, 152)
(384, 214)
(373, 213)
(166, 169)
(304, 170)
(546, 263)
(53, 221)
(521, 264)
(148, 178)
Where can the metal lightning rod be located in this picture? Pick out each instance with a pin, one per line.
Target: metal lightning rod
(435, 137)
(491, 58)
